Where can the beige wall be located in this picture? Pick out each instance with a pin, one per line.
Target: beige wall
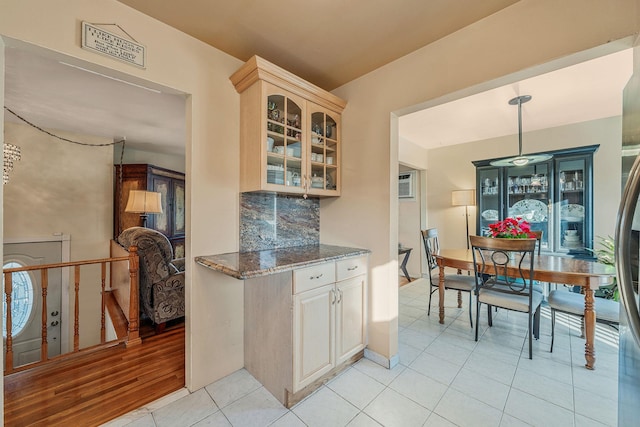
(214, 318)
(409, 223)
(174, 162)
(529, 33)
(59, 187)
(454, 168)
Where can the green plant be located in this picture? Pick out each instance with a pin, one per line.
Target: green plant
(606, 255)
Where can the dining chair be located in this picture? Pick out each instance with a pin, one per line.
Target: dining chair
(459, 282)
(538, 234)
(565, 301)
(498, 285)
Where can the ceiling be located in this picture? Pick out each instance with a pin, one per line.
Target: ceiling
(327, 42)
(44, 89)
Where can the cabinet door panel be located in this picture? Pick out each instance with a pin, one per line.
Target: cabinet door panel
(314, 323)
(350, 317)
(160, 221)
(178, 208)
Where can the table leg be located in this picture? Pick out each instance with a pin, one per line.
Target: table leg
(403, 265)
(590, 328)
(441, 293)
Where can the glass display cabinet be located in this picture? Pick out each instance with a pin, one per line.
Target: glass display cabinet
(555, 196)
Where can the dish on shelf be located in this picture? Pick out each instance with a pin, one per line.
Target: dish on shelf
(572, 213)
(530, 209)
(490, 215)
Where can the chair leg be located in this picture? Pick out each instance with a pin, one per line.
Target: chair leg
(160, 327)
(470, 318)
(430, 293)
(553, 328)
(530, 336)
(536, 323)
(477, 316)
(459, 299)
(489, 316)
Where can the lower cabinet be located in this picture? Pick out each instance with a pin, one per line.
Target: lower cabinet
(292, 347)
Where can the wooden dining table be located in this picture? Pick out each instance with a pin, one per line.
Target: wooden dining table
(559, 269)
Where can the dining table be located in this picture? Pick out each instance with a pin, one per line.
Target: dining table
(560, 269)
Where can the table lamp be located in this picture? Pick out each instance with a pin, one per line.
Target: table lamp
(464, 198)
(144, 203)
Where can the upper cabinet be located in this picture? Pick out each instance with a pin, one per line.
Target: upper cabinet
(290, 132)
(555, 196)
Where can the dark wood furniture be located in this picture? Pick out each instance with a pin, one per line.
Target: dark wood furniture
(171, 184)
(547, 268)
(554, 196)
(403, 265)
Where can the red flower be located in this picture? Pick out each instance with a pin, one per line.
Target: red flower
(511, 228)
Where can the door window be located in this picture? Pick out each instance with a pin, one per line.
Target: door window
(21, 300)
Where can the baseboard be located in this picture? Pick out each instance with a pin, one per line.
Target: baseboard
(381, 360)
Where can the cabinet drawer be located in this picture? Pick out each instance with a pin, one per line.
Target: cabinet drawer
(308, 278)
(351, 267)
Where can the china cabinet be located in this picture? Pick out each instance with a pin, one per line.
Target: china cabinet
(170, 184)
(555, 196)
(290, 132)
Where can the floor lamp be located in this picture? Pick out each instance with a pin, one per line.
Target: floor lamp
(144, 203)
(464, 198)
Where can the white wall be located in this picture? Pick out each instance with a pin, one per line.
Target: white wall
(453, 167)
(524, 35)
(60, 187)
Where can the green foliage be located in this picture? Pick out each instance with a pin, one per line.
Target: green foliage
(606, 255)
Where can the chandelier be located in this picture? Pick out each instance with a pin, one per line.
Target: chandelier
(520, 159)
(11, 154)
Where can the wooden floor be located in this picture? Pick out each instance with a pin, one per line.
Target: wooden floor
(93, 388)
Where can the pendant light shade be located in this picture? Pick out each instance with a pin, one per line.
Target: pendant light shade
(520, 159)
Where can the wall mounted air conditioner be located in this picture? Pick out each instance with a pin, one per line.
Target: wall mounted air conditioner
(406, 185)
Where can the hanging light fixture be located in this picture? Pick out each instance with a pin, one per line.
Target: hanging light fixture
(11, 153)
(521, 160)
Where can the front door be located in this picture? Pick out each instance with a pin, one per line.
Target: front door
(27, 300)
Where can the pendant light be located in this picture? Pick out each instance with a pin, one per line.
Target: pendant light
(521, 160)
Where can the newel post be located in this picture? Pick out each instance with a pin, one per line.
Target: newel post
(134, 298)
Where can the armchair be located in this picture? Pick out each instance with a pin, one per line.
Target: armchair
(161, 276)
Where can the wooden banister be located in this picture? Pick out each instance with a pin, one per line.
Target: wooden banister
(133, 335)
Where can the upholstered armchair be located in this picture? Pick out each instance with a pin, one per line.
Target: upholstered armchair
(161, 276)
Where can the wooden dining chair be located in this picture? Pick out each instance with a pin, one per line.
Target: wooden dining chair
(459, 282)
(565, 301)
(498, 285)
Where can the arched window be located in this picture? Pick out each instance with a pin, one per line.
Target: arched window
(21, 300)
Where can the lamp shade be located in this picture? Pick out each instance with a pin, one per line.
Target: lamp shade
(143, 202)
(463, 198)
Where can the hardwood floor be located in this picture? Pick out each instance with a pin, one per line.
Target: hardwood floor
(90, 389)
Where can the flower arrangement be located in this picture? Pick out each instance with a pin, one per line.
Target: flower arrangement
(511, 228)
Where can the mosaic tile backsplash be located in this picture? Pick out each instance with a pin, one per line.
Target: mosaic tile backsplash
(275, 221)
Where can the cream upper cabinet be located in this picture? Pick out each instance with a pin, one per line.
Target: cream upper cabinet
(289, 132)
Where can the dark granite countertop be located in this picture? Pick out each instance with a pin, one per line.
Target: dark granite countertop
(247, 265)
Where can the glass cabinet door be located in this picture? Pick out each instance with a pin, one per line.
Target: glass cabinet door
(324, 150)
(573, 233)
(528, 197)
(284, 141)
(489, 197)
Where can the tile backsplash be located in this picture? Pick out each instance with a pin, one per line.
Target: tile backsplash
(274, 221)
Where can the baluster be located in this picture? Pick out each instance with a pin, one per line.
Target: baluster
(103, 329)
(44, 352)
(8, 289)
(134, 310)
(76, 314)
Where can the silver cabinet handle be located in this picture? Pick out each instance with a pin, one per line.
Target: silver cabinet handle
(339, 296)
(622, 249)
(55, 323)
(352, 268)
(316, 277)
(333, 297)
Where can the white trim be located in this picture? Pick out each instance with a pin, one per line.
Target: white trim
(65, 256)
(381, 360)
